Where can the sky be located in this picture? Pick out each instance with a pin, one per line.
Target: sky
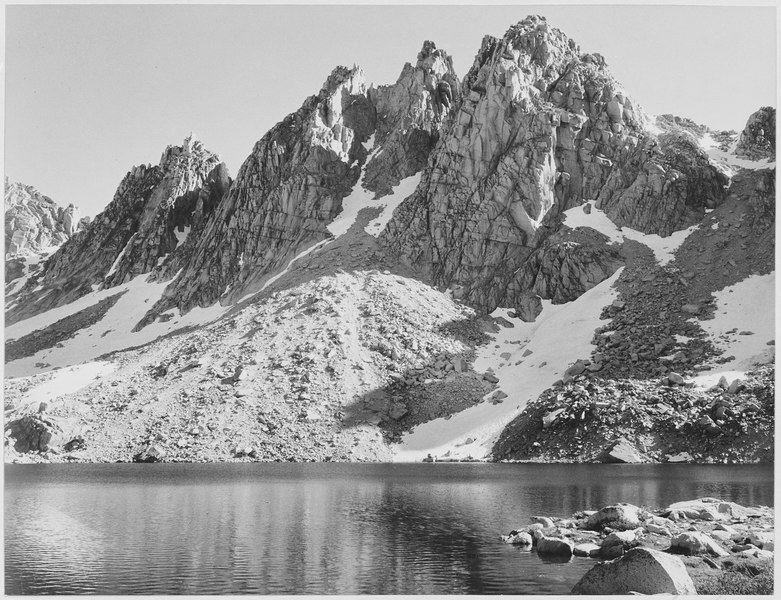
(92, 90)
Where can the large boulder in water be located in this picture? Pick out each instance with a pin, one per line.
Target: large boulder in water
(619, 516)
(555, 546)
(640, 570)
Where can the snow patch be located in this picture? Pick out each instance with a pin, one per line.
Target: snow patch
(64, 381)
(181, 236)
(748, 307)
(561, 335)
(727, 160)
(358, 199)
(389, 203)
(664, 248)
(113, 332)
(119, 258)
(285, 270)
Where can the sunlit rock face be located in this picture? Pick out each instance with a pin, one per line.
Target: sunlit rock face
(540, 128)
(293, 184)
(142, 227)
(35, 223)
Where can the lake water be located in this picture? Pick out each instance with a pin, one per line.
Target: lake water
(318, 528)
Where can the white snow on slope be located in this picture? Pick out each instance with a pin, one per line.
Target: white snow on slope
(561, 335)
(286, 269)
(111, 333)
(663, 247)
(118, 259)
(727, 160)
(64, 381)
(389, 203)
(747, 306)
(181, 236)
(361, 198)
(31, 266)
(351, 205)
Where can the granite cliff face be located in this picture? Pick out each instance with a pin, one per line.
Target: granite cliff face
(152, 210)
(35, 226)
(34, 223)
(292, 185)
(540, 128)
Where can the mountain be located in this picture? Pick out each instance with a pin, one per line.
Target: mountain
(154, 211)
(35, 226)
(500, 266)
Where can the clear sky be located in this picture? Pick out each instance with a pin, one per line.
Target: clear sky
(92, 90)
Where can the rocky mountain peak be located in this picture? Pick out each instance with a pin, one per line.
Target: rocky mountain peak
(541, 128)
(153, 211)
(433, 60)
(34, 223)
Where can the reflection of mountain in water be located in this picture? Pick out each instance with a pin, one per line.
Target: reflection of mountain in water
(331, 529)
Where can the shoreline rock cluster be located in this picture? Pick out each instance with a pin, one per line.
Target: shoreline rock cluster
(677, 550)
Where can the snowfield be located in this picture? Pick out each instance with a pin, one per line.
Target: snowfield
(663, 247)
(727, 161)
(539, 352)
(742, 326)
(113, 332)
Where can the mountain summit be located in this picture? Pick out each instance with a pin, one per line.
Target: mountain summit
(477, 267)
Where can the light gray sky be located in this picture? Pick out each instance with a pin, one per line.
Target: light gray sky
(92, 90)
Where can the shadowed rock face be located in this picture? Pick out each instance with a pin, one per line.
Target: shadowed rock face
(136, 232)
(758, 138)
(34, 223)
(539, 128)
(410, 114)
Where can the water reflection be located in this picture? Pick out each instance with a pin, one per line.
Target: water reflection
(333, 529)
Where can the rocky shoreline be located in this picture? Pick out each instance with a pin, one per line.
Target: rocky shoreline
(703, 546)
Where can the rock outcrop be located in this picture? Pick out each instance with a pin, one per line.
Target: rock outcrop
(410, 114)
(41, 432)
(758, 139)
(34, 223)
(539, 128)
(152, 209)
(34, 227)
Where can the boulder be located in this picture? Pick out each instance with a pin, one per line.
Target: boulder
(640, 570)
(623, 451)
(619, 516)
(518, 538)
(555, 546)
(544, 521)
(696, 543)
(618, 542)
(150, 454)
(549, 418)
(763, 539)
(705, 509)
(681, 457)
(41, 432)
(586, 549)
(674, 379)
(692, 309)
